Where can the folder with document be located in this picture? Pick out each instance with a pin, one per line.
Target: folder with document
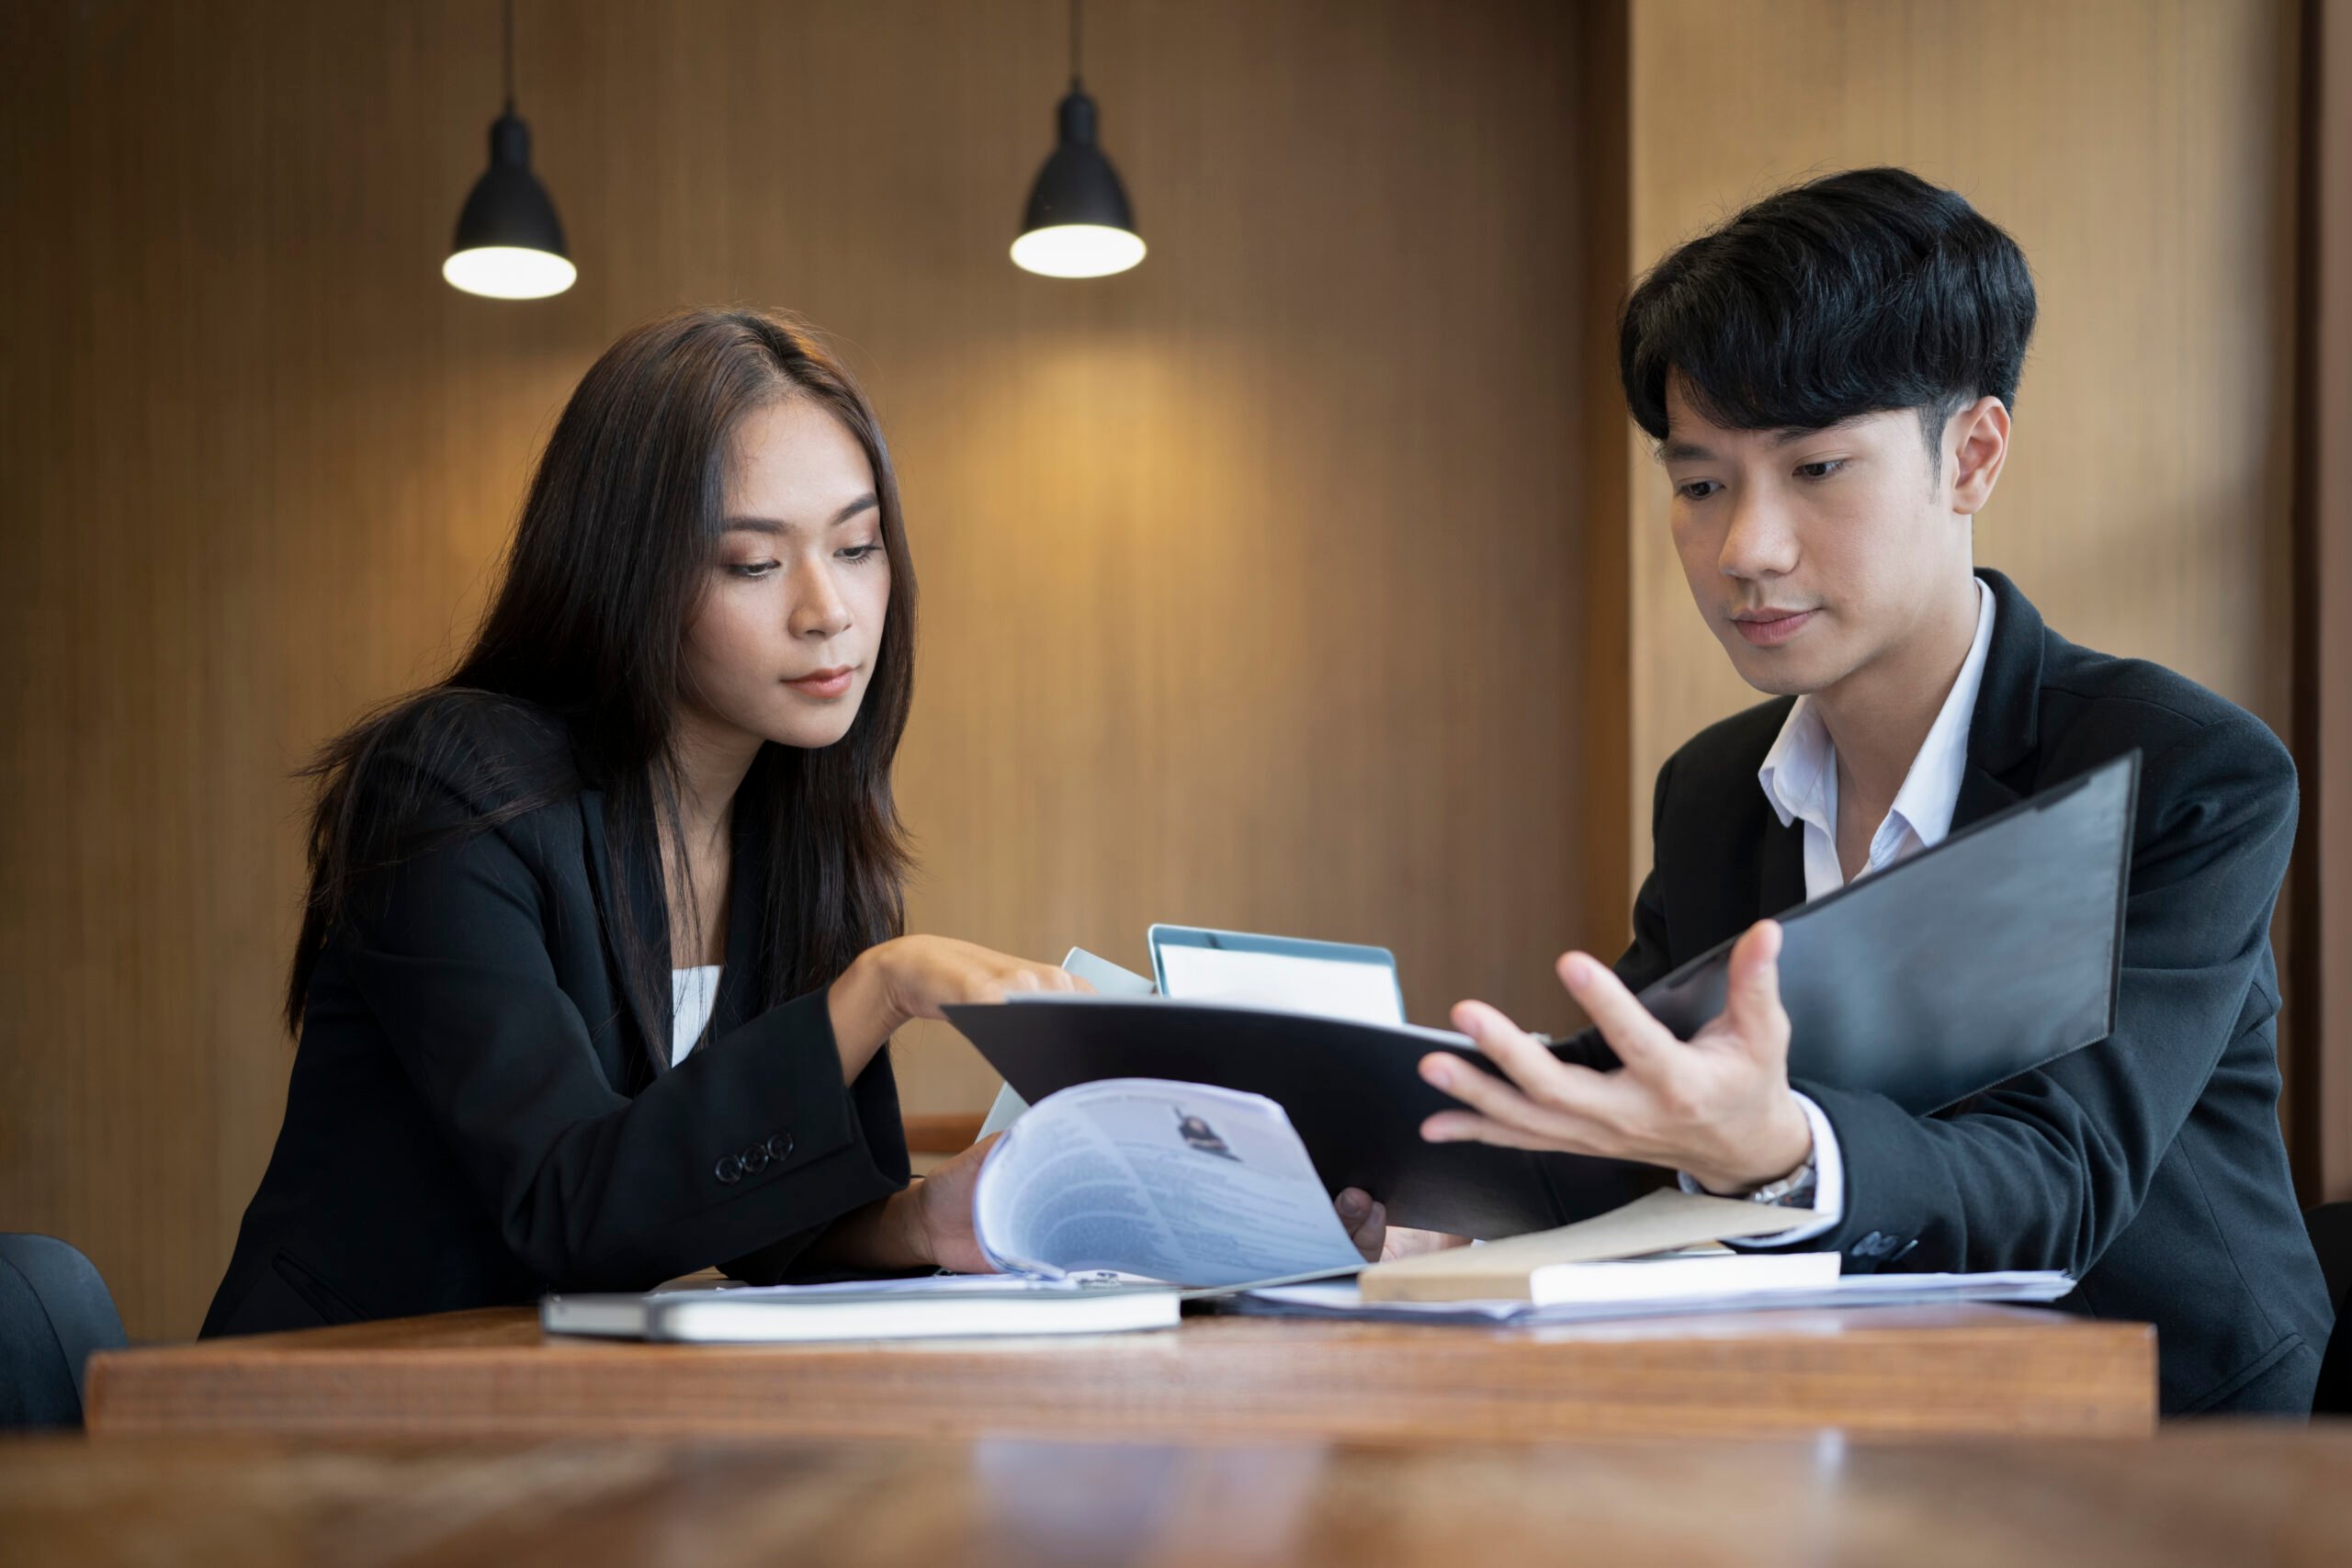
(1987, 956)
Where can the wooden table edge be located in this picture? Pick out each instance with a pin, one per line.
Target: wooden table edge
(489, 1374)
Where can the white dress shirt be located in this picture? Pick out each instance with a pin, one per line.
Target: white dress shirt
(1800, 778)
(693, 993)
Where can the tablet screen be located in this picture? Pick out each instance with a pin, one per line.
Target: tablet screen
(1330, 979)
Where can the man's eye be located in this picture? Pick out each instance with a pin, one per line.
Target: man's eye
(1822, 469)
(1699, 489)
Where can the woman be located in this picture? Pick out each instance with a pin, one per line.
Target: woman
(602, 944)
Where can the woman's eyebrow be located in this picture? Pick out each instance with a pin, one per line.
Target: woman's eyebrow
(772, 525)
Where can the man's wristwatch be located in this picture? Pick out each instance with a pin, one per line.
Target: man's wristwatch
(1793, 1190)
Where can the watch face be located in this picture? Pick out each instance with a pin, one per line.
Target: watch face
(1791, 1191)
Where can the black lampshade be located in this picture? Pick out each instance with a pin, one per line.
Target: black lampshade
(509, 243)
(1079, 223)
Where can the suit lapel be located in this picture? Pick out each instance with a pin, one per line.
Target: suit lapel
(628, 902)
(2004, 730)
(740, 983)
(1981, 794)
(1779, 880)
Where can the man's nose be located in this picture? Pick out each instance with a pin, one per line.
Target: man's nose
(1759, 543)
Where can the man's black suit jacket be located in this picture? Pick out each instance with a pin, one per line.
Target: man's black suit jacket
(2149, 1166)
(476, 1115)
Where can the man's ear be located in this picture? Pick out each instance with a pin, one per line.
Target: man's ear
(1977, 445)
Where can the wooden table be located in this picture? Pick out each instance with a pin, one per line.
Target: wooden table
(2199, 1495)
(491, 1373)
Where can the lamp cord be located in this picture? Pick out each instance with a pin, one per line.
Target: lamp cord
(510, 56)
(1076, 26)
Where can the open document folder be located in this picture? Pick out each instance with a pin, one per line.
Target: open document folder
(1988, 956)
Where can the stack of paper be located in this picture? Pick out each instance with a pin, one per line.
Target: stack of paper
(1562, 1264)
(1850, 1291)
(1655, 1255)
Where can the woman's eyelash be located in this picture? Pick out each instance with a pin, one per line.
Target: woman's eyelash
(755, 571)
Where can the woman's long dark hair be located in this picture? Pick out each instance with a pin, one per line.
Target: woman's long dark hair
(613, 553)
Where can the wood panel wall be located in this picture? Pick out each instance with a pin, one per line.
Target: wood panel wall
(2141, 151)
(1240, 571)
(1305, 579)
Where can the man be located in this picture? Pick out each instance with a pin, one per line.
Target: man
(1830, 377)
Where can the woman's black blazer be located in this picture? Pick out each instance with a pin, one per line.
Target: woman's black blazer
(475, 1114)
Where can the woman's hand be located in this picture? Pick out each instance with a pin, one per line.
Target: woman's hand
(1716, 1105)
(1366, 1219)
(916, 977)
(938, 1218)
(928, 1223)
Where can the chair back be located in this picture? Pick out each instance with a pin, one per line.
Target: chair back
(54, 1311)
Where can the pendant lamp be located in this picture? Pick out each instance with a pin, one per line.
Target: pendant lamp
(1079, 223)
(509, 243)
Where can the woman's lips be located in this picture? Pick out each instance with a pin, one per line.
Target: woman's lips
(1771, 629)
(824, 683)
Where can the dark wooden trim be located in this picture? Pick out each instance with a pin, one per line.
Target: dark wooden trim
(2298, 1030)
(1605, 722)
(943, 1135)
(2316, 1042)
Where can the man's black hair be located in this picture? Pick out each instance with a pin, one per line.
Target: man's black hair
(1858, 292)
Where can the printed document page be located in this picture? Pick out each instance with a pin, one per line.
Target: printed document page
(1180, 1182)
(1283, 982)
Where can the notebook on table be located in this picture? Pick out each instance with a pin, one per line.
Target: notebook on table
(1100, 1210)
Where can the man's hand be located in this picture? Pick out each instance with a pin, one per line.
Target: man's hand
(1717, 1106)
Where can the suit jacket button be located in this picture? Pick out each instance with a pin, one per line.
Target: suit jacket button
(755, 1159)
(779, 1146)
(728, 1170)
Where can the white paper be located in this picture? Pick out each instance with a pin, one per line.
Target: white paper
(1180, 1182)
(1850, 1290)
(1327, 988)
(1108, 980)
(915, 1285)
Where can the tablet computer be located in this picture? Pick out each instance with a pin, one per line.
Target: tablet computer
(1328, 980)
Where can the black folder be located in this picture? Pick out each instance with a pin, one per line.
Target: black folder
(1990, 954)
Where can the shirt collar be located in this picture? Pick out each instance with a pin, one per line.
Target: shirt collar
(1799, 772)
